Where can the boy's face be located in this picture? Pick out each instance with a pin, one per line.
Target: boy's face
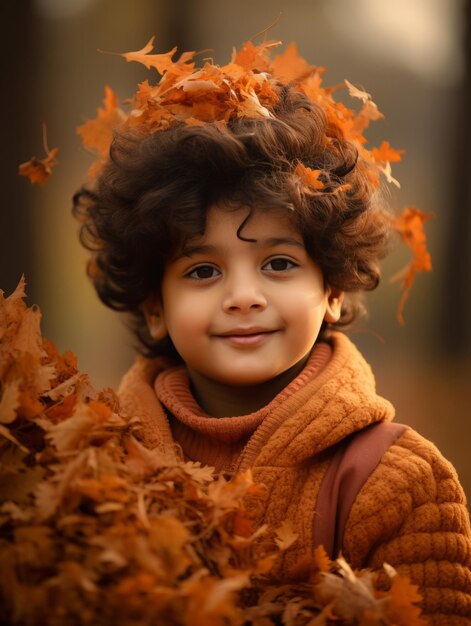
(240, 313)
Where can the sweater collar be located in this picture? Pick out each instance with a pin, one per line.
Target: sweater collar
(340, 400)
(172, 387)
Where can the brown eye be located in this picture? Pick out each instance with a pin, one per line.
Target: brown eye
(280, 264)
(203, 272)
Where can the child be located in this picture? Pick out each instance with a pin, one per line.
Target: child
(237, 219)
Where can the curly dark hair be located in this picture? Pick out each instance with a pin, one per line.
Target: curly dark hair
(155, 191)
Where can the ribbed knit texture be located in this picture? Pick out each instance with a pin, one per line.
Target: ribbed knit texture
(218, 441)
(411, 511)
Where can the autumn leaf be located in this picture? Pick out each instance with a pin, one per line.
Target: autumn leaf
(65, 364)
(61, 410)
(142, 462)
(242, 525)
(161, 62)
(123, 534)
(251, 56)
(39, 170)
(402, 600)
(98, 133)
(386, 153)
(410, 226)
(11, 308)
(9, 401)
(309, 177)
(357, 93)
(285, 536)
(17, 484)
(290, 66)
(199, 473)
(321, 561)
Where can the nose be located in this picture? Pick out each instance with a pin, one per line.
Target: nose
(243, 295)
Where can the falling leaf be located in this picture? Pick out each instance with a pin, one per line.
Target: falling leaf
(410, 226)
(39, 170)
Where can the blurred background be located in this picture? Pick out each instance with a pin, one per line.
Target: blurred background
(414, 56)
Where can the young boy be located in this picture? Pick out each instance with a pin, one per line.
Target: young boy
(238, 218)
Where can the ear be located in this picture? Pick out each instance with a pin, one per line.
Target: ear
(334, 305)
(153, 312)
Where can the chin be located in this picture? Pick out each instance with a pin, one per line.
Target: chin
(245, 379)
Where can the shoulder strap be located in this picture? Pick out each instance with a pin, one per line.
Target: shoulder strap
(354, 460)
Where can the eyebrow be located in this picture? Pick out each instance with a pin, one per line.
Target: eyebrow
(270, 242)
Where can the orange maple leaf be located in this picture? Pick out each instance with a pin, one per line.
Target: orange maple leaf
(39, 170)
(386, 153)
(160, 62)
(290, 65)
(65, 364)
(402, 601)
(410, 226)
(309, 177)
(98, 133)
(368, 113)
(253, 57)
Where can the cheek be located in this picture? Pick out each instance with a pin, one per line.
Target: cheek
(305, 303)
(186, 316)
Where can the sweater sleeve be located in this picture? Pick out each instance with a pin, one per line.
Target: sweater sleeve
(411, 513)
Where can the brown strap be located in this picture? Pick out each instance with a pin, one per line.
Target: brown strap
(354, 460)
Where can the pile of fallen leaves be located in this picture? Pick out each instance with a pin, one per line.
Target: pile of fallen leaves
(95, 529)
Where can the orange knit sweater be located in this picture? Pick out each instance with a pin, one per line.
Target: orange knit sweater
(411, 512)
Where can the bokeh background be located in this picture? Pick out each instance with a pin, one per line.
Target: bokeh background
(414, 56)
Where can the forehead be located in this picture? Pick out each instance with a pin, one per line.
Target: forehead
(248, 224)
(239, 229)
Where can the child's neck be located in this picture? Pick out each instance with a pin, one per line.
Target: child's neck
(220, 400)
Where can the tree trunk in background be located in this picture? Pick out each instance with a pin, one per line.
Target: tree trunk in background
(179, 21)
(20, 137)
(455, 331)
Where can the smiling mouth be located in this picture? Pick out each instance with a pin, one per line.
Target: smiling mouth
(246, 338)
